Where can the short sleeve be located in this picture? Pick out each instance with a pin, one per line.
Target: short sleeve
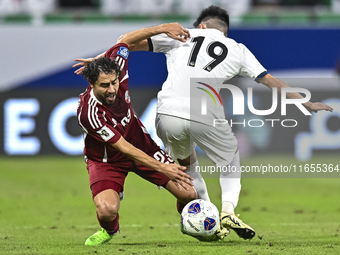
(251, 67)
(160, 43)
(93, 123)
(119, 52)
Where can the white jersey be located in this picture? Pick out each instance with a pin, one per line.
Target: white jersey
(207, 55)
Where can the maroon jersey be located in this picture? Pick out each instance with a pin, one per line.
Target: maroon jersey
(104, 125)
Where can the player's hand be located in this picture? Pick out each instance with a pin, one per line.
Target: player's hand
(315, 107)
(84, 62)
(176, 174)
(176, 31)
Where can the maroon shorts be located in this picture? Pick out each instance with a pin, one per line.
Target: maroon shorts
(102, 174)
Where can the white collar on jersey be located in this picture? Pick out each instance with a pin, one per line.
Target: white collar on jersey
(94, 97)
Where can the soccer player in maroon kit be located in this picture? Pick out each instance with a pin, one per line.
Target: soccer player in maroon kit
(116, 142)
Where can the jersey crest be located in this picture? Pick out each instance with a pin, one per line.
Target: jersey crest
(124, 52)
(127, 97)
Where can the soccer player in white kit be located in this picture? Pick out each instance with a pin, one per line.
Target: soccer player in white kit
(208, 54)
(179, 129)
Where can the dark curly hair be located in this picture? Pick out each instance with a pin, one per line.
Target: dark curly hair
(101, 65)
(214, 17)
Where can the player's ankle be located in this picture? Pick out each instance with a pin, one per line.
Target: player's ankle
(228, 207)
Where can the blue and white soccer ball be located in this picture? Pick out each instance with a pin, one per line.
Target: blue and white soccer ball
(200, 219)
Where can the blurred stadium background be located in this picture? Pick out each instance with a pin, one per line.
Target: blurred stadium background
(296, 40)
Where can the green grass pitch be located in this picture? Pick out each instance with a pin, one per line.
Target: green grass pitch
(46, 207)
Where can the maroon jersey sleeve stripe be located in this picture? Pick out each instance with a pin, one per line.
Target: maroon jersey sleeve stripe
(91, 119)
(114, 53)
(92, 114)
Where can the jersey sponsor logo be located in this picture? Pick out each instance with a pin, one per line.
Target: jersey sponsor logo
(106, 133)
(124, 52)
(127, 97)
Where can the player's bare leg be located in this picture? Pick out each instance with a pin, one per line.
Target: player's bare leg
(184, 195)
(231, 187)
(107, 206)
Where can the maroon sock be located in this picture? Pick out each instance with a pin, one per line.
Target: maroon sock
(110, 227)
(180, 206)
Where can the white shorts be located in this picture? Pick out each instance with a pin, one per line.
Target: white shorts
(180, 137)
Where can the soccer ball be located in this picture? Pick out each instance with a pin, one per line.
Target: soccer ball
(200, 219)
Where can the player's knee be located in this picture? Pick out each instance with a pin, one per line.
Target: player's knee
(107, 212)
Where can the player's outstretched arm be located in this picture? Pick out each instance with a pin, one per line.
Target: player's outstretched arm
(137, 40)
(272, 82)
(173, 171)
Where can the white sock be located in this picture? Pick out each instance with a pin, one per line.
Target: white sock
(199, 183)
(228, 207)
(231, 185)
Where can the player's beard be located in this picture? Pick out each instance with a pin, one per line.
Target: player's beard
(105, 99)
(110, 99)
